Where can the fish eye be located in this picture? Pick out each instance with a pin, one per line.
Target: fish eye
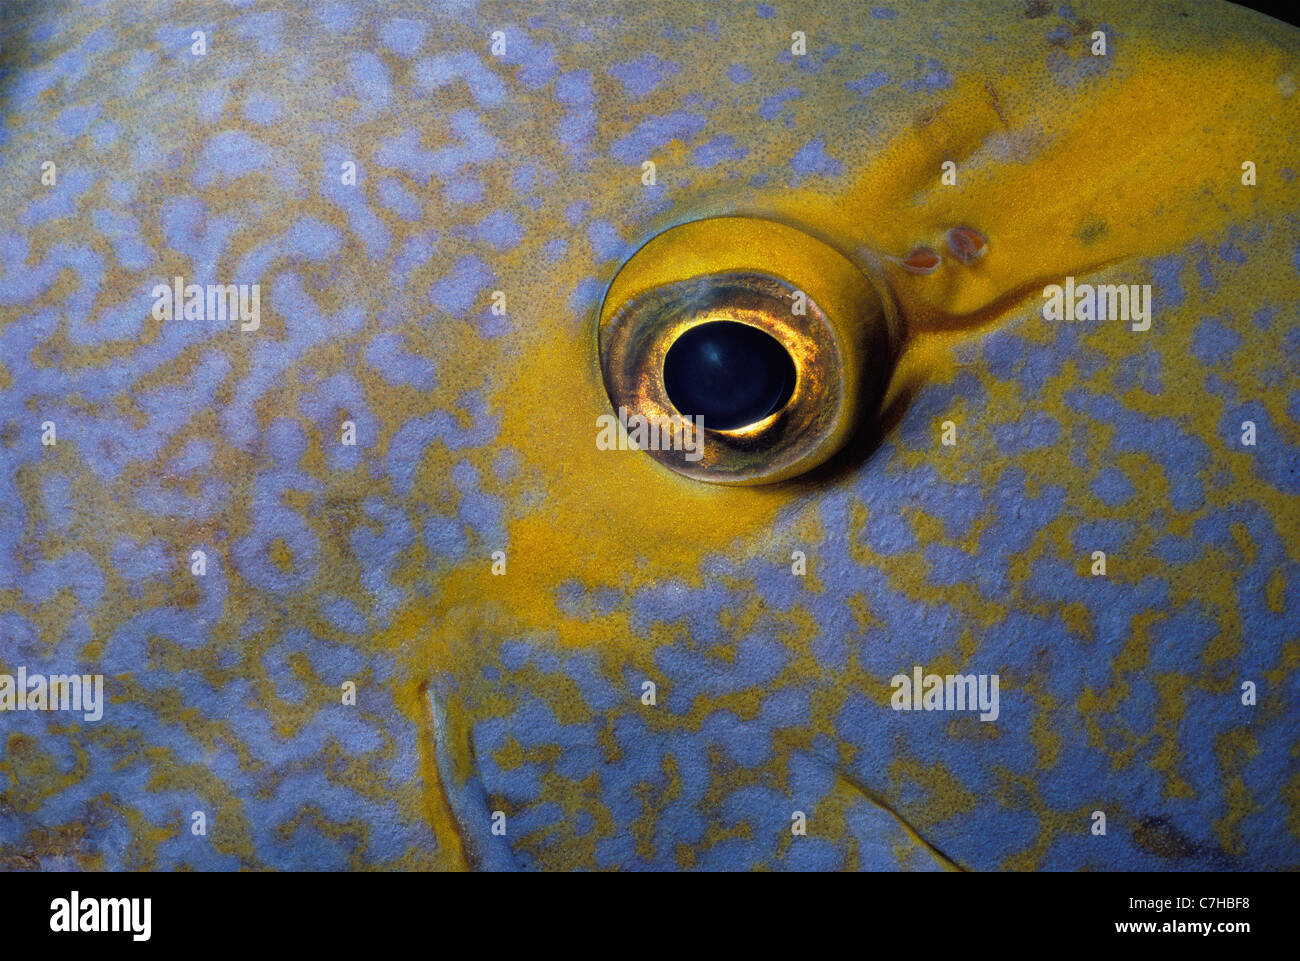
(737, 350)
(728, 373)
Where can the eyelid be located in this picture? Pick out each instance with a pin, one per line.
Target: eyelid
(844, 345)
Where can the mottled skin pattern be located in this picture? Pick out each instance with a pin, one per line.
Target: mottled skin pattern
(521, 693)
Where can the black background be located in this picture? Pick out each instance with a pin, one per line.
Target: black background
(930, 916)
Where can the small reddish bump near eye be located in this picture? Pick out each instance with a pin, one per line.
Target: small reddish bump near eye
(967, 244)
(923, 260)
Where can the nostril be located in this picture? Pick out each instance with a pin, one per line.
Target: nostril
(730, 374)
(967, 244)
(922, 260)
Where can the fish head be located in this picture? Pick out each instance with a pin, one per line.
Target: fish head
(453, 616)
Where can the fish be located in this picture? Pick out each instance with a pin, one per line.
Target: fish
(307, 322)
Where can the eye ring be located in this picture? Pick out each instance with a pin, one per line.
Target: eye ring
(838, 328)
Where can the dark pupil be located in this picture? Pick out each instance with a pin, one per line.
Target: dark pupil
(730, 374)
